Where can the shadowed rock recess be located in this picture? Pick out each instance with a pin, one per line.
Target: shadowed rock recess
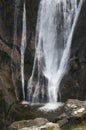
(73, 84)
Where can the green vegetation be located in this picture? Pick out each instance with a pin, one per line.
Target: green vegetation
(50, 128)
(81, 126)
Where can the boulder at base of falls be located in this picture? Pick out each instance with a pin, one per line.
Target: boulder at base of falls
(36, 124)
(75, 109)
(74, 112)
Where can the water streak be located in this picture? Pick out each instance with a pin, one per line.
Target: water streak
(23, 47)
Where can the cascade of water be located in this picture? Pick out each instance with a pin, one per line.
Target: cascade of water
(23, 46)
(55, 26)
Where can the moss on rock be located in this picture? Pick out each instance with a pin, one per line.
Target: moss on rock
(50, 128)
(80, 126)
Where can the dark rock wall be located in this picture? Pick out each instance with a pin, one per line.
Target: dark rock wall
(10, 48)
(6, 19)
(74, 82)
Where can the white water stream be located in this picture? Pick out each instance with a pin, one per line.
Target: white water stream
(23, 47)
(55, 27)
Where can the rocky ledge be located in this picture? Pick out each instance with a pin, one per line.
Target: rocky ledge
(76, 108)
(74, 112)
(36, 124)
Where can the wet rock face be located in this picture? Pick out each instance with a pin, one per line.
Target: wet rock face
(7, 46)
(74, 83)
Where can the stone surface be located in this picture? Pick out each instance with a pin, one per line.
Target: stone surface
(62, 122)
(51, 126)
(36, 124)
(74, 112)
(75, 108)
(28, 123)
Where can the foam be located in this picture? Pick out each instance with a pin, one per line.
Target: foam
(50, 107)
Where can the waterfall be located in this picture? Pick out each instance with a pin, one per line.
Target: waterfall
(55, 27)
(23, 46)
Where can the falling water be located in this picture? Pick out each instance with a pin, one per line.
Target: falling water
(23, 46)
(55, 27)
